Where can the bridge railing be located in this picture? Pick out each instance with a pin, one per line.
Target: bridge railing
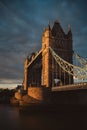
(76, 86)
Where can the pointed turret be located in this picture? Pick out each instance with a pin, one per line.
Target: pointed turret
(49, 28)
(47, 31)
(56, 22)
(69, 31)
(57, 29)
(69, 28)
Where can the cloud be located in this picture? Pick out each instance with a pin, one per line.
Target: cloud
(21, 27)
(13, 81)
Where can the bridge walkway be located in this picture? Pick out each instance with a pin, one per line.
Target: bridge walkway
(70, 87)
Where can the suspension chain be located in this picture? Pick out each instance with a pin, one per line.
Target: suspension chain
(76, 71)
(80, 59)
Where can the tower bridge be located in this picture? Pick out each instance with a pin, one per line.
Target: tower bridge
(53, 66)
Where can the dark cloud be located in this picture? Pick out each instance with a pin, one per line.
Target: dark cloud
(21, 27)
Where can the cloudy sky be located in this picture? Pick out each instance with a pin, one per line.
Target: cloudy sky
(21, 26)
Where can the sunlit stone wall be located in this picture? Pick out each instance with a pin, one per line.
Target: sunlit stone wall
(18, 95)
(39, 93)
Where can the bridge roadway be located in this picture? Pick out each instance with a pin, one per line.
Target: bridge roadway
(70, 87)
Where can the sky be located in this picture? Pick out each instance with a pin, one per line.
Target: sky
(21, 27)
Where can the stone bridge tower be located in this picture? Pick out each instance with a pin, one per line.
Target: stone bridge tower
(44, 70)
(62, 45)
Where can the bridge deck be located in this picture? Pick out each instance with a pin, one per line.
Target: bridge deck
(70, 87)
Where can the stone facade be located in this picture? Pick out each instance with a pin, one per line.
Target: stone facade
(61, 43)
(41, 94)
(44, 70)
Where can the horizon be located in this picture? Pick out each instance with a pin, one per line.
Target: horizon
(9, 86)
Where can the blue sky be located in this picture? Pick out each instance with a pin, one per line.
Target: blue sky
(21, 26)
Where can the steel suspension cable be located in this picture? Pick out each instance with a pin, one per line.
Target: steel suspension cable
(80, 59)
(73, 70)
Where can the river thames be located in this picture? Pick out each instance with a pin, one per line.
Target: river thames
(12, 119)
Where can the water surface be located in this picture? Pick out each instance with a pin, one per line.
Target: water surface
(12, 119)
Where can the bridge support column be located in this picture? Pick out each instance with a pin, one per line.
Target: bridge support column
(46, 57)
(45, 68)
(26, 74)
